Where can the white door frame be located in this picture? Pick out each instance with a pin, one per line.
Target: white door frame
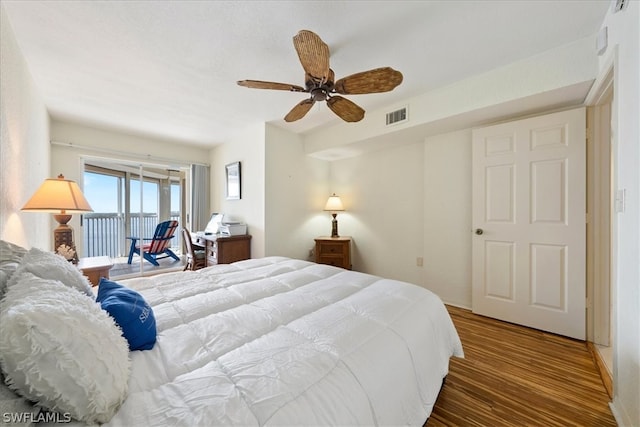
(600, 212)
(603, 82)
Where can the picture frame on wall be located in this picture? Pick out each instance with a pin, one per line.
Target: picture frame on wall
(233, 181)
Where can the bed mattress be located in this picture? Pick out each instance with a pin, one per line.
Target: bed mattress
(277, 341)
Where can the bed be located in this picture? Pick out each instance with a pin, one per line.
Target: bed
(279, 341)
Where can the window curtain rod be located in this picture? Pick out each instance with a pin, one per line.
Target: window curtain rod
(147, 157)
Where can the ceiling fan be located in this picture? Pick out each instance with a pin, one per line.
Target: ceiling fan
(321, 85)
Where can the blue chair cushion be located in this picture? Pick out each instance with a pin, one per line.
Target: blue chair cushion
(130, 311)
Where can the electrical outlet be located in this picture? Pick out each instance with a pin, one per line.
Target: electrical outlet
(419, 261)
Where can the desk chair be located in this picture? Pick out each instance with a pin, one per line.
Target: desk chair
(196, 256)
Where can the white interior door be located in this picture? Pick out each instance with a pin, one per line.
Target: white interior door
(529, 222)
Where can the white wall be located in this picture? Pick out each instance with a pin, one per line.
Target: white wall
(623, 52)
(382, 192)
(447, 216)
(297, 187)
(555, 76)
(24, 148)
(281, 187)
(407, 202)
(136, 147)
(249, 150)
(91, 142)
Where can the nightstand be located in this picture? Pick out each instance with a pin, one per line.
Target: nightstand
(95, 268)
(334, 251)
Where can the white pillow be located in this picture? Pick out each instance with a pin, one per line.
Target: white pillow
(59, 349)
(10, 257)
(48, 265)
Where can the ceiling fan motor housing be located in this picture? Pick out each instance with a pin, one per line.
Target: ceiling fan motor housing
(319, 94)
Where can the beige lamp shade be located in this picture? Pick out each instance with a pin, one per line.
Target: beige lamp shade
(58, 196)
(334, 204)
(62, 197)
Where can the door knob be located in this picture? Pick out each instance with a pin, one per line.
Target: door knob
(479, 231)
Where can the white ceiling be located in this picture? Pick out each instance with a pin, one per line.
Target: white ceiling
(169, 68)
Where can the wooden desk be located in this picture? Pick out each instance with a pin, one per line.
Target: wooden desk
(224, 249)
(95, 268)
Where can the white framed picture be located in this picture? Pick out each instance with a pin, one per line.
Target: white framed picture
(233, 181)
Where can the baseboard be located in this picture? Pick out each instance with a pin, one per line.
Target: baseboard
(622, 418)
(465, 307)
(602, 369)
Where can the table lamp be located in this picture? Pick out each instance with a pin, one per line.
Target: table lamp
(334, 205)
(63, 197)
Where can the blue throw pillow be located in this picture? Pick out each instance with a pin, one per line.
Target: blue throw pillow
(130, 311)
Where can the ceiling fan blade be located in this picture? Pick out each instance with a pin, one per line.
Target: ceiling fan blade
(313, 54)
(345, 109)
(258, 84)
(299, 111)
(373, 81)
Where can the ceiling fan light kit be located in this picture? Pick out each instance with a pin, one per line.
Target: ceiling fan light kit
(320, 81)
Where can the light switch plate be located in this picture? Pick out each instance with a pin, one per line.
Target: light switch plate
(620, 201)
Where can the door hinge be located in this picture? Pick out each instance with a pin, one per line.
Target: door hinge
(587, 218)
(587, 303)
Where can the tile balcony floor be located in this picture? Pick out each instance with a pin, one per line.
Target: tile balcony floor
(122, 270)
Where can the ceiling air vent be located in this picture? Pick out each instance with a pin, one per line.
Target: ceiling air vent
(397, 116)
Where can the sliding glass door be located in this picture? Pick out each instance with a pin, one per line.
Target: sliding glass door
(143, 219)
(103, 229)
(129, 200)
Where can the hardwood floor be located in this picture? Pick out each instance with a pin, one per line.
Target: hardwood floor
(516, 376)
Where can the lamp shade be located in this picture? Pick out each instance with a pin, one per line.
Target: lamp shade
(59, 196)
(334, 204)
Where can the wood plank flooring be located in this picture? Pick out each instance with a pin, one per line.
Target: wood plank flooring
(516, 376)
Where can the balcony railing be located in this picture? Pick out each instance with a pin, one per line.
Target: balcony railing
(104, 233)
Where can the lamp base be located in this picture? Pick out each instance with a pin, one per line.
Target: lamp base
(62, 219)
(63, 235)
(334, 226)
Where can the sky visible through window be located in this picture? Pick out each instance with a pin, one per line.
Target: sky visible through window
(101, 192)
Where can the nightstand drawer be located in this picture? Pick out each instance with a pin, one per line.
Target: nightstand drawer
(331, 248)
(336, 262)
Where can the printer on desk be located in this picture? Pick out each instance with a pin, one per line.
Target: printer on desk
(232, 229)
(217, 225)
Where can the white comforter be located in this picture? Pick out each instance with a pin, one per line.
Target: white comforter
(276, 341)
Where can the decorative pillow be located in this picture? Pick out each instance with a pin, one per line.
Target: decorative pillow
(48, 265)
(10, 258)
(131, 312)
(60, 350)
